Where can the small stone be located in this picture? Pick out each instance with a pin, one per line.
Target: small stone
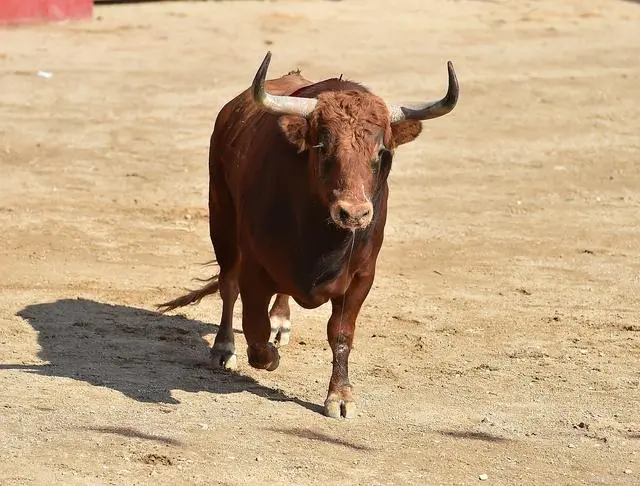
(483, 477)
(628, 471)
(258, 458)
(203, 426)
(571, 446)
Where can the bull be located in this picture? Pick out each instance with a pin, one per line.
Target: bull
(297, 208)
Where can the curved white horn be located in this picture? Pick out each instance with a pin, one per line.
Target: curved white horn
(278, 105)
(430, 109)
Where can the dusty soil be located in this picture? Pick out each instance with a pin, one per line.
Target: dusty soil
(502, 334)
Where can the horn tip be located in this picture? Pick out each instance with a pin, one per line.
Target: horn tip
(258, 80)
(453, 80)
(266, 61)
(450, 67)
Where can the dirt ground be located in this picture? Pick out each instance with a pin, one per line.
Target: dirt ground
(501, 336)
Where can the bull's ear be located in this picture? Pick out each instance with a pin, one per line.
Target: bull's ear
(295, 130)
(406, 131)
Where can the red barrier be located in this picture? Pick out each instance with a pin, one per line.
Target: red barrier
(20, 11)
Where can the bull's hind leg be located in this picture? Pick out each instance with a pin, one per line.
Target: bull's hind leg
(223, 352)
(340, 331)
(222, 228)
(280, 317)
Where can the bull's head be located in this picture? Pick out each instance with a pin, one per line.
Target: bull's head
(350, 137)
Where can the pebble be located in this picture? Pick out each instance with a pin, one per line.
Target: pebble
(571, 446)
(483, 477)
(628, 471)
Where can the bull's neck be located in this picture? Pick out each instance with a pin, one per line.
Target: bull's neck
(324, 249)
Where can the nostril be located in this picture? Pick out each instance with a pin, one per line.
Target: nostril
(343, 214)
(365, 213)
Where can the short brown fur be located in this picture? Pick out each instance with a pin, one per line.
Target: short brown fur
(275, 184)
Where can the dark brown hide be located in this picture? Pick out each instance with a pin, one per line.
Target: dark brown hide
(280, 216)
(274, 182)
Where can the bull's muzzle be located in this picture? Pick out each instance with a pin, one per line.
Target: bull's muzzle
(352, 216)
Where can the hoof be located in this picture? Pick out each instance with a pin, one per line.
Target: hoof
(263, 356)
(338, 408)
(222, 359)
(340, 404)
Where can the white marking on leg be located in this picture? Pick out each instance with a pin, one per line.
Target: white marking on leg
(282, 326)
(231, 363)
(223, 355)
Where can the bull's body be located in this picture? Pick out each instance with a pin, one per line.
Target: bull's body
(287, 220)
(260, 191)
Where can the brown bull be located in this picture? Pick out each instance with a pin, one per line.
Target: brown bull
(297, 204)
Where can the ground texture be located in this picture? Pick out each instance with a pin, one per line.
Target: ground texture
(501, 336)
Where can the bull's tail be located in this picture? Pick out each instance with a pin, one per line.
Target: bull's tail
(193, 297)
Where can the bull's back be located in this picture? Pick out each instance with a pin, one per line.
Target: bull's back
(242, 130)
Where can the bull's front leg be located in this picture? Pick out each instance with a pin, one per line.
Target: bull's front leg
(256, 291)
(340, 331)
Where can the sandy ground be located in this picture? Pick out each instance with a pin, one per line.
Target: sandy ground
(501, 336)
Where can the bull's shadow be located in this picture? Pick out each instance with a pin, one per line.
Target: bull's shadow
(142, 354)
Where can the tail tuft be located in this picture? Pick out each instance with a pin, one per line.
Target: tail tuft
(193, 297)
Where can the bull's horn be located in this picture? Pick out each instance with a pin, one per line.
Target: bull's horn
(279, 105)
(431, 109)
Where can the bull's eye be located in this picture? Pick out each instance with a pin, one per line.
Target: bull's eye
(326, 165)
(375, 165)
(384, 159)
(323, 141)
